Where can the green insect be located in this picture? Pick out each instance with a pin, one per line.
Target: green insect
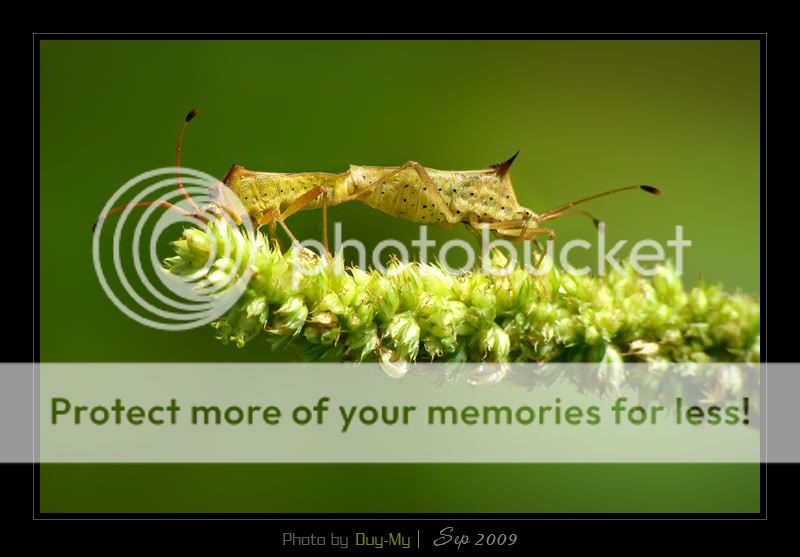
(478, 199)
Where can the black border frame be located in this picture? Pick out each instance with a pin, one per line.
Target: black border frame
(428, 521)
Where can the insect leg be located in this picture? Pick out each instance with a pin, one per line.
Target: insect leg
(273, 233)
(380, 181)
(303, 201)
(573, 212)
(325, 220)
(181, 188)
(529, 234)
(428, 188)
(275, 216)
(525, 232)
(519, 223)
(433, 194)
(165, 204)
(533, 232)
(475, 227)
(542, 251)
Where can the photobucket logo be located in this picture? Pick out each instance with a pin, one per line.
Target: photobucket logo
(175, 301)
(500, 257)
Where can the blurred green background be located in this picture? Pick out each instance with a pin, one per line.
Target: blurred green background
(586, 115)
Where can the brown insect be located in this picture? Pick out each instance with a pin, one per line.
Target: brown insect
(478, 199)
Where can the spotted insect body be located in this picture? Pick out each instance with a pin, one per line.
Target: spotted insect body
(476, 198)
(411, 192)
(469, 196)
(262, 192)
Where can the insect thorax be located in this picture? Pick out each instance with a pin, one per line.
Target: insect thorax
(261, 192)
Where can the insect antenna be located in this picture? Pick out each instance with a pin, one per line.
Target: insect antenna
(559, 211)
(596, 221)
(192, 113)
(166, 204)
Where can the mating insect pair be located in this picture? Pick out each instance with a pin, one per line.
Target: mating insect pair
(478, 199)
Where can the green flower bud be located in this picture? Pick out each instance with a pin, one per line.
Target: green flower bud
(482, 300)
(331, 302)
(322, 328)
(258, 308)
(410, 288)
(363, 342)
(698, 301)
(643, 349)
(197, 242)
(668, 286)
(290, 317)
(592, 335)
(435, 281)
(385, 294)
(495, 344)
(403, 331)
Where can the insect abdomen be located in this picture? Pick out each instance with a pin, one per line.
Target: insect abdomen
(470, 195)
(261, 192)
(401, 195)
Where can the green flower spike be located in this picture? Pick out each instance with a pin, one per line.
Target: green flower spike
(420, 312)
